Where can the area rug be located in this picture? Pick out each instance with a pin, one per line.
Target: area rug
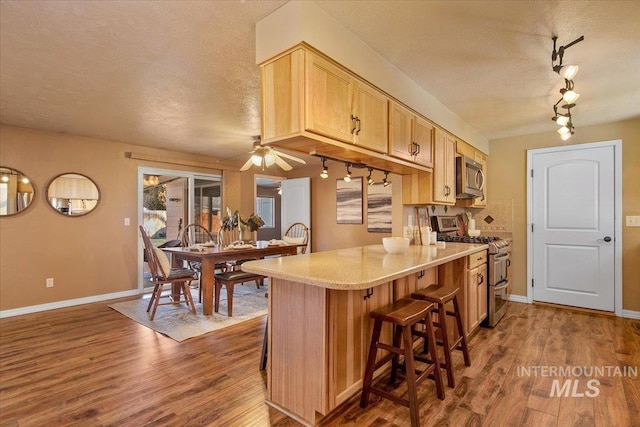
(177, 321)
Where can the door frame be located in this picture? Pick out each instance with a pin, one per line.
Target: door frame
(617, 268)
(147, 170)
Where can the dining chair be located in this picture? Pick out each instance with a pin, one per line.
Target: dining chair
(162, 273)
(195, 234)
(297, 233)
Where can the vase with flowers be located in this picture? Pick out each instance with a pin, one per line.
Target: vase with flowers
(244, 225)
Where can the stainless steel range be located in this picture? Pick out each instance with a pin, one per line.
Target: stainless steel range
(499, 265)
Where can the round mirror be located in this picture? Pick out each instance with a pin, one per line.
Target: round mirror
(16, 191)
(73, 194)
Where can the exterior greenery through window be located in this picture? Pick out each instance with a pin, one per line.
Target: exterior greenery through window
(266, 209)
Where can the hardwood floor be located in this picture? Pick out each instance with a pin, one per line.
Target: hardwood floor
(91, 366)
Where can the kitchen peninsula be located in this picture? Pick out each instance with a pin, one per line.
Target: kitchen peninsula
(319, 305)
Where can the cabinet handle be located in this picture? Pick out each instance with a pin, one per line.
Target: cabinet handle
(353, 123)
(447, 190)
(368, 294)
(359, 128)
(417, 150)
(480, 279)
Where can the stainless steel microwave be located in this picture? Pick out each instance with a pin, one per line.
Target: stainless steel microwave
(469, 178)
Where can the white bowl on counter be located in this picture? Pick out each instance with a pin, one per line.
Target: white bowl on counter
(396, 245)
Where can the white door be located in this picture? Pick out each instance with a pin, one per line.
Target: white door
(296, 204)
(573, 200)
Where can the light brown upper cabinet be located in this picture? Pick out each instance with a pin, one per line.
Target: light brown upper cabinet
(313, 105)
(410, 136)
(342, 107)
(444, 168)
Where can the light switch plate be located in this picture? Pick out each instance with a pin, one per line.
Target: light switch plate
(633, 221)
(127, 221)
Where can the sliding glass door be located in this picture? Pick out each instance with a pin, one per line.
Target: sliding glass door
(169, 201)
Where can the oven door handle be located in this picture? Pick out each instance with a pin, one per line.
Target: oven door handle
(501, 285)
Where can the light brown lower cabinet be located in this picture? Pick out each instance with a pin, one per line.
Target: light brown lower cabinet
(322, 345)
(317, 357)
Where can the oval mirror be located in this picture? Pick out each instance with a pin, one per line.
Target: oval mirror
(16, 191)
(73, 194)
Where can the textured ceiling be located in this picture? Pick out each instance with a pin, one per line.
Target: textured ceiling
(182, 75)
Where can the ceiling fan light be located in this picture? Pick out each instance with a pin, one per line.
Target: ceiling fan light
(256, 160)
(570, 96)
(564, 130)
(562, 120)
(269, 159)
(569, 71)
(565, 136)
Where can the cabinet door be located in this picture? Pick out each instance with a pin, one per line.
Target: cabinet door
(371, 107)
(423, 136)
(329, 99)
(443, 168)
(481, 202)
(349, 338)
(482, 292)
(472, 299)
(400, 132)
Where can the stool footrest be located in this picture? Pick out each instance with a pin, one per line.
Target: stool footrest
(389, 396)
(391, 349)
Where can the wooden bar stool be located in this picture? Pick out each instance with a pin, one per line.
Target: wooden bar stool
(440, 295)
(403, 314)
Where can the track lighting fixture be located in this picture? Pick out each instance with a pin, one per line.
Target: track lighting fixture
(370, 180)
(385, 182)
(349, 165)
(570, 96)
(347, 177)
(325, 171)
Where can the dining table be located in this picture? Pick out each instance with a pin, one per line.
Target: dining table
(209, 256)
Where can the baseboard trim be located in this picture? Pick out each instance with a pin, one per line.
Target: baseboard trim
(518, 298)
(67, 303)
(629, 314)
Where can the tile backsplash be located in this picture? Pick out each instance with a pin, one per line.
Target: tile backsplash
(497, 216)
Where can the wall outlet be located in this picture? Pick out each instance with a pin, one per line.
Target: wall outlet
(49, 282)
(633, 221)
(127, 221)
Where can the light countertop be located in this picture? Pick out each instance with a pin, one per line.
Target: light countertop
(358, 268)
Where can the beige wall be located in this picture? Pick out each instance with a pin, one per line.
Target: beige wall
(96, 254)
(89, 255)
(326, 233)
(507, 181)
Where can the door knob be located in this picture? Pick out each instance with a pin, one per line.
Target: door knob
(607, 239)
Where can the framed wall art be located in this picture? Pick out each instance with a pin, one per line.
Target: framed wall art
(379, 208)
(349, 201)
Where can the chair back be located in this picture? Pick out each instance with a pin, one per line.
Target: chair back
(298, 230)
(152, 258)
(195, 233)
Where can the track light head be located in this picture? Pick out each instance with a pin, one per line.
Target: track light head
(370, 180)
(385, 181)
(347, 177)
(325, 171)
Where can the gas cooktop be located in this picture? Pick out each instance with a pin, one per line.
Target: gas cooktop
(467, 239)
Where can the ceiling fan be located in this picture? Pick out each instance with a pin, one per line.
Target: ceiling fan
(267, 156)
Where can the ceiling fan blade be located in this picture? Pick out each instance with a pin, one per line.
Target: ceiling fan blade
(247, 165)
(290, 157)
(284, 165)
